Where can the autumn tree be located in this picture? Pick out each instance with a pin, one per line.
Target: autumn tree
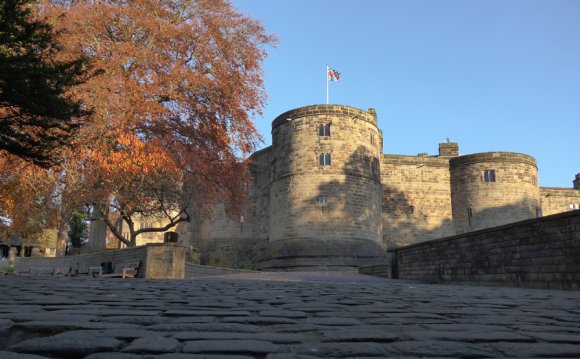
(38, 115)
(172, 108)
(28, 198)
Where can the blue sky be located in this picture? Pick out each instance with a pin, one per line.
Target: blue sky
(493, 75)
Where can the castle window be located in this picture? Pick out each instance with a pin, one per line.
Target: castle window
(372, 138)
(574, 206)
(323, 200)
(469, 215)
(324, 159)
(324, 130)
(489, 176)
(534, 180)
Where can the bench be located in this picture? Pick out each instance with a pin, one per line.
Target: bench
(124, 270)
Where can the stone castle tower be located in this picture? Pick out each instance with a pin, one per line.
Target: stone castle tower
(325, 191)
(488, 189)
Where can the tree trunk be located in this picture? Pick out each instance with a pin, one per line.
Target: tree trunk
(63, 226)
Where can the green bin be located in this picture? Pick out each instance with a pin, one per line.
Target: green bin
(106, 267)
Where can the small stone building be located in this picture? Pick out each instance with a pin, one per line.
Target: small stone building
(324, 196)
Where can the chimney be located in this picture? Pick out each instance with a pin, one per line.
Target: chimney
(449, 149)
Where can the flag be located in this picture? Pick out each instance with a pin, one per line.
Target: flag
(333, 75)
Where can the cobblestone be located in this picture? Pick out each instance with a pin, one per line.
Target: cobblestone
(288, 316)
(153, 345)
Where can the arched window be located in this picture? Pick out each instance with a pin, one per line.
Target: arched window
(321, 130)
(327, 130)
(327, 159)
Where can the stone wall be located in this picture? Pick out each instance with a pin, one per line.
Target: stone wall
(536, 253)
(235, 242)
(493, 188)
(196, 271)
(259, 200)
(416, 199)
(158, 261)
(558, 200)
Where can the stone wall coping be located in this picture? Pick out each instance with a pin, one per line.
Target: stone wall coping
(177, 244)
(431, 161)
(313, 110)
(510, 157)
(572, 191)
(260, 152)
(494, 229)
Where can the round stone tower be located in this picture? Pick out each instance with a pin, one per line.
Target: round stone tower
(325, 191)
(493, 188)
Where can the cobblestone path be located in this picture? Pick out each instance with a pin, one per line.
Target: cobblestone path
(278, 316)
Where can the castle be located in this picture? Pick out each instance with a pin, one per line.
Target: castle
(324, 196)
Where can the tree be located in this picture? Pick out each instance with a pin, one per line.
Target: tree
(78, 232)
(29, 201)
(38, 114)
(172, 108)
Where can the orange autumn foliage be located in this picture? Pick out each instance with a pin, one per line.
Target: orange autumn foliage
(132, 157)
(28, 197)
(172, 106)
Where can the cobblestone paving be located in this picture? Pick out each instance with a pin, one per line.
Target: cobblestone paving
(280, 316)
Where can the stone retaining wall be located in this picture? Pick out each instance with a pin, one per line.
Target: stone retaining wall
(158, 260)
(537, 253)
(378, 270)
(196, 270)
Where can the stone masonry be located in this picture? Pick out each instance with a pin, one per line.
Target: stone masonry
(332, 200)
(535, 253)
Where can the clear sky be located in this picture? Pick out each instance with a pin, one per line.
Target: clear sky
(493, 75)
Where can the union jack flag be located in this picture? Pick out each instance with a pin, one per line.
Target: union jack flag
(333, 75)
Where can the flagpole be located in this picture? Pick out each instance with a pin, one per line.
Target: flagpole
(326, 84)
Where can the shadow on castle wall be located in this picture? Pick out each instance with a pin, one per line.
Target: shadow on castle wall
(350, 203)
(357, 206)
(408, 223)
(501, 215)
